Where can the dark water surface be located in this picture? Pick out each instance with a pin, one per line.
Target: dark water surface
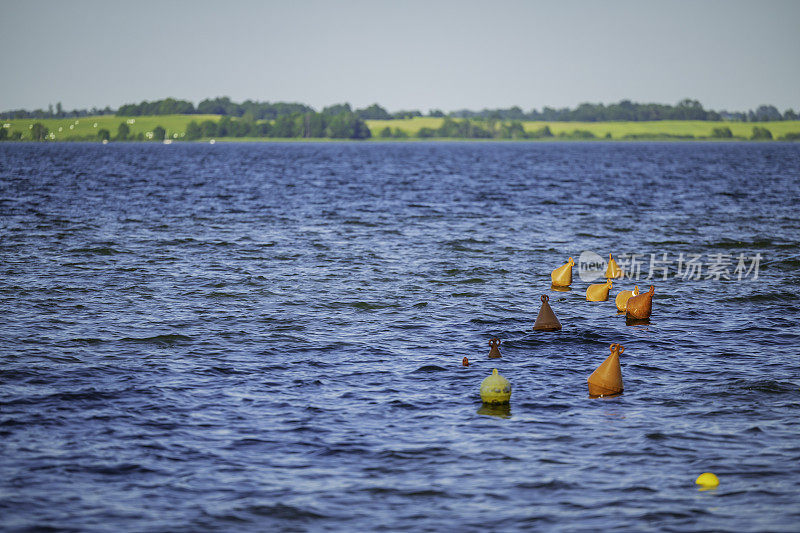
(269, 337)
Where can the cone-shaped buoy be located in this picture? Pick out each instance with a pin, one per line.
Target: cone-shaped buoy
(599, 291)
(640, 307)
(613, 271)
(622, 298)
(495, 389)
(562, 276)
(465, 362)
(546, 321)
(494, 353)
(607, 379)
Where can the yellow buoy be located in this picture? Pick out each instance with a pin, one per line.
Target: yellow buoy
(613, 270)
(707, 480)
(599, 291)
(495, 389)
(562, 276)
(622, 298)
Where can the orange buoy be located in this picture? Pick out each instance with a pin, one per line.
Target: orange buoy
(494, 353)
(621, 301)
(640, 307)
(562, 276)
(613, 270)
(465, 362)
(546, 320)
(599, 291)
(607, 379)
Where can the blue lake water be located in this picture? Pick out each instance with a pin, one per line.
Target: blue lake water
(269, 337)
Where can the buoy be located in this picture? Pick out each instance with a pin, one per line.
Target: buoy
(494, 353)
(613, 271)
(465, 362)
(640, 307)
(707, 480)
(622, 298)
(607, 379)
(495, 389)
(599, 291)
(546, 320)
(562, 276)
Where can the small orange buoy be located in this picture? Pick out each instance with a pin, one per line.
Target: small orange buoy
(613, 270)
(621, 301)
(599, 291)
(494, 353)
(546, 320)
(465, 362)
(640, 307)
(607, 379)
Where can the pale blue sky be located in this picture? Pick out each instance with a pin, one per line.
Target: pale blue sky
(450, 55)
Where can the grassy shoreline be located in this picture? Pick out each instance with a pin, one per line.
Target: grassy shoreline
(87, 128)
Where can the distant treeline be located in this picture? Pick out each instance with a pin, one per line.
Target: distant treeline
(342, 125)
(630, 111)
(622, 111)
(57, 112)
(625, 110)
(252, 110)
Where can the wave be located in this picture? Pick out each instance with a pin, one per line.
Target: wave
(173, 338)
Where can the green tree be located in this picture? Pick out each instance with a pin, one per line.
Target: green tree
(103, 134)
(337, 109)
(348, 126)
(722, 133)
(159, 133)
(245, 128)
(226, 127)
(314, 125)
(193, 131)
(426, 133)
(373, 112)
(514, 130)
(761, 134)
(3, 134)
(385, 133)
(264, 129)
(581, 134)
(285, 127)
(39, 132)
(123, 131)
(541, 133)
(209, 128)
(766, 113)
(449, 128)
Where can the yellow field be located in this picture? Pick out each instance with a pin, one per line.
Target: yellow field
(64, 129)
(618, 130)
